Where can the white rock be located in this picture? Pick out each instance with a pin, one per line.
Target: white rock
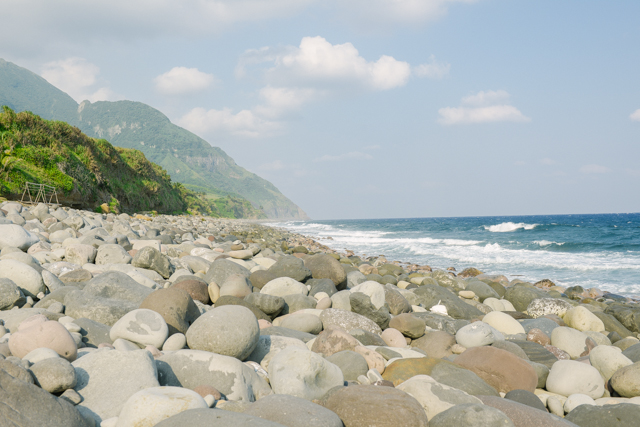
(141, 326)
(16, 236)
(503, 323)
(24, 276)
(283, 286)
(152, 405)
(576, 400)
(374, 290)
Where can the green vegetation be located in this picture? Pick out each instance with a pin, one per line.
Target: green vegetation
(188, 159)
(88, 172)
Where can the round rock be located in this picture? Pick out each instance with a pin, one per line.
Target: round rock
(141, 326)
(568, 377)
(230, 330)
(478, 334)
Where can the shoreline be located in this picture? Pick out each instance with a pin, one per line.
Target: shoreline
(140, 304)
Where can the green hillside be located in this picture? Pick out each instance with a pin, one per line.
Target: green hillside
(89, 172)
(187, 158)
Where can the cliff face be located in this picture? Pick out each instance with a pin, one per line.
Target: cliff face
(187, 158)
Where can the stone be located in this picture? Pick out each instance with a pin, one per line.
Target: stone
(612, 324)
(24, 276)
(503, 323)
(12, 235)
(228, 330)
(152, 259)
(75, 276)
(54, 375)
(193, 368)
(410, 326)
(215, 417)
(361, 304)
(398, 304)
(521, 295)
(576, 400)
(286, 332)
(436, 344)
(374, 290)
(544, 324)
(142, 326)
(334, 340)
(270, 345)
(10, 295)
(524, 415)
(237, 286)
(568, 377)
(539, 337)
(175, 306)
(283, 286)
(324, 266)
(197, 289)
(231, 300)
(303, 373)
(290, 411)
(583, 320)
(543, 306)
(269, 304)
(303, 322)
(175, 342)
(373, 358)
(478, 334)
(297, 302)
(348, 321)
(632, 352)
(259, 278)
(341, 300)
(351, 363)
(526, 398)
(470, 415)
(367, 405)
(125, 372)
(367, 338)
(430, 295)
(321, 285)
(433, 396)
(80, 254)
(221, 269)
(499, 368)
(16, 371)
(482, 290)
(290, 266)
(42, 353)
(570, 340)
(537, 353)
(607, 360)
(622, 414)
(626, 380)
(24, 404)
(442, 371)
(93, 333)
(49, 334)
(112, 254)
(393, 338)
(154, 404)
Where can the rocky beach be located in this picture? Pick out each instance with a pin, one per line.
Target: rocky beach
(118, 320)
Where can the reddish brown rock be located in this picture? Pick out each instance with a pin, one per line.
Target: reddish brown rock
(49, 334)
(556, 319)
(333, 340)
(367, 405)
(536, 335)
(501, 369)
(197, 289)
(560, 354)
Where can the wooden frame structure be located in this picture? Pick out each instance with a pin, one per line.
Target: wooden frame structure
(39, 193)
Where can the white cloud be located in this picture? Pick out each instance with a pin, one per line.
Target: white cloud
(245, 123)
(635, 116)
(353, 155)
(483, 107)
(78, 78)
(433, 69)
(279, 101)
(594, 169)
(318, 63)
(182, 80)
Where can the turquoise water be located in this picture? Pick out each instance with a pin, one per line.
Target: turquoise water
(600, 251)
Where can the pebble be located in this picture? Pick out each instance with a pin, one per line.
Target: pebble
(106, 292)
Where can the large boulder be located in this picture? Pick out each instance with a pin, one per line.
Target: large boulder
(430, 295)
(215, 417)
(367, 405)
(48, 334)
(303, 373)
(230, 330)
(221, 269)
(228, 375)
(123, 372)
(619, 415)
(175, 306)
(151, 258)
(24, 404)
(13, 235)
(521, 295)
(10, 295)
(142, 326)
(348, 320)
(24, 276)
(324, 266)
(569, 377)
(290, 266)
(293, 411)
(524, 415)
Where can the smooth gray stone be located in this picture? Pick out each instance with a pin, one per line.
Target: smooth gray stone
(442, 323)
(293, 411)
(321, 285)
(270, 304)
(462, 379)
(10, 295)
(537, 353)
(350, 363)
(221, 269)
(481, 289)
(633, 353)
(521, 295)
(215, 418)
(27, 405)
(430, 295)
(545, 325)
(361, 304)
(471, 415)
(367, 338)
(526, 398)
(54, 375)
(286, 332)
(290, 266)
(93, 333)
(16, 371)
(151, 259)
(297, 302)
(620, 415)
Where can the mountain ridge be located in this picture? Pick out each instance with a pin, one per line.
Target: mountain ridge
(188, 158)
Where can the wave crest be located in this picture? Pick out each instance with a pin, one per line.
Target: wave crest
(506, 227)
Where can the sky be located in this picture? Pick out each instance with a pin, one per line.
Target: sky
(372, 108)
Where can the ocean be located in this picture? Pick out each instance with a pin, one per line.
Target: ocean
(601, 251)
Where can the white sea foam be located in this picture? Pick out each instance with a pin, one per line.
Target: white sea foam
(547, 243)
(506, 227)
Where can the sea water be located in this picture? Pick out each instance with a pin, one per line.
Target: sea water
(601, 251)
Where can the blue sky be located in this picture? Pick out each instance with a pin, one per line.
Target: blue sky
(373, 108)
